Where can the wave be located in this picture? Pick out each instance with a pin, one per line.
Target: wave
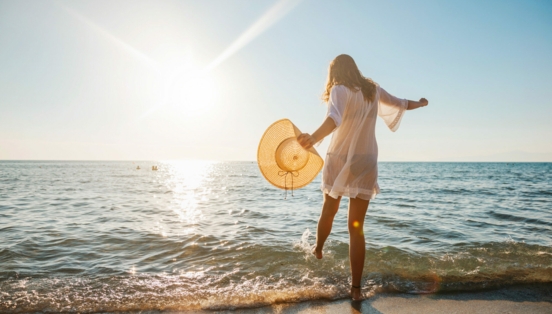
(502, 216)
(195, 291)
(267, 275)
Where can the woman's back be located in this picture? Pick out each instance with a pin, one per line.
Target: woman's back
(351, 162)
(356, 131)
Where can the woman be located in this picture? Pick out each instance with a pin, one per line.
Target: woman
(351, 162)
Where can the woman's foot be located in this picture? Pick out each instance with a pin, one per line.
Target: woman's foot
(317, 252)
(356, 293)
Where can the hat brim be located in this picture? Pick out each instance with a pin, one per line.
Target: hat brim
(276, 133)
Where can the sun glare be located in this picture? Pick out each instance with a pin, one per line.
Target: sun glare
(191, 92)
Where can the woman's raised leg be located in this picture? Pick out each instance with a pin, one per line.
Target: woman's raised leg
(357, 244)
(329, 209)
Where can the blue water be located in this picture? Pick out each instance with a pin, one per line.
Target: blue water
(104, 236)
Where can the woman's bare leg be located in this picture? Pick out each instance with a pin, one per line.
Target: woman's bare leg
(329, 209)
(357, 244)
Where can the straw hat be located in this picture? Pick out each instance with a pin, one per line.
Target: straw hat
(283, 161)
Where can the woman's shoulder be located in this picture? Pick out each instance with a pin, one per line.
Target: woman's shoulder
(339, 88)
(343, 89)
(378, 88)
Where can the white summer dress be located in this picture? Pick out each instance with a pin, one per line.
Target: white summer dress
(351, 167)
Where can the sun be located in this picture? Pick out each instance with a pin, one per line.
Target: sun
(192, 91)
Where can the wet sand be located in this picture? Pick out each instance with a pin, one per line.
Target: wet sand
(518, 299)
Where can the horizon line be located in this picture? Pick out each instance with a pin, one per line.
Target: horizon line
(211, 160)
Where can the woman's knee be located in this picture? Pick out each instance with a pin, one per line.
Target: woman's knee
(356, 227)
(357, 213)
(331, 205)
(329, 212)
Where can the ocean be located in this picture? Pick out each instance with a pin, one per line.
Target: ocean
(103, 236)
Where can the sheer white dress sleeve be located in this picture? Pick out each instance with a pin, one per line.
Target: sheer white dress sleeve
(336, 103)
(391, 109)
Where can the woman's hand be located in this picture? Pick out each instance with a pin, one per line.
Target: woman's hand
(423, 102)
(306, 140)
(417, 104)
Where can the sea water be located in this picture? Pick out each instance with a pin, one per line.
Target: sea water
(105, 236)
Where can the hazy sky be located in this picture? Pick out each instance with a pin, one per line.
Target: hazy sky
(149, 80)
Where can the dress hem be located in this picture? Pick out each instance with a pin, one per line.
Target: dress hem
(351, 193)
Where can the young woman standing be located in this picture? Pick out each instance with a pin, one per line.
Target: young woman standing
(351, 162)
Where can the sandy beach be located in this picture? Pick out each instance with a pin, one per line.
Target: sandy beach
(518, 299)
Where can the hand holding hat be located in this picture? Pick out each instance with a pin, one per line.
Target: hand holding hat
(283, 160)
(306, 140)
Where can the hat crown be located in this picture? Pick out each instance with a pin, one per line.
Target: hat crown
(291, 156)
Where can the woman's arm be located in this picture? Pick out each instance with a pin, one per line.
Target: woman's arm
(307, 141)
(417, 104)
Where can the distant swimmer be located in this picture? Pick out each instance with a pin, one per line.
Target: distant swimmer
(154, 168)
(138, 168)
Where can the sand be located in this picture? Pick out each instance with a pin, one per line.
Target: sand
(531, 299)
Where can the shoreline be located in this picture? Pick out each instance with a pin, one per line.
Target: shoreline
(523, 299)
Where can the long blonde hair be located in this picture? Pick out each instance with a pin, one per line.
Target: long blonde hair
(344, 71)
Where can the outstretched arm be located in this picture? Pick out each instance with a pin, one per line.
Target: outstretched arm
(307, 141)
(417, 104)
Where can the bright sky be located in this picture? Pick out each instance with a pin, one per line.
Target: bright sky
(156, 80)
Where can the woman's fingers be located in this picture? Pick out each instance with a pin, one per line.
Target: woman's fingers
(305, 140)
(301, 138)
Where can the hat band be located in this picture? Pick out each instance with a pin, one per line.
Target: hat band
(285, 174)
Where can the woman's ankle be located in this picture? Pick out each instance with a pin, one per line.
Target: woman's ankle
(356, 293)
(317, 252)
